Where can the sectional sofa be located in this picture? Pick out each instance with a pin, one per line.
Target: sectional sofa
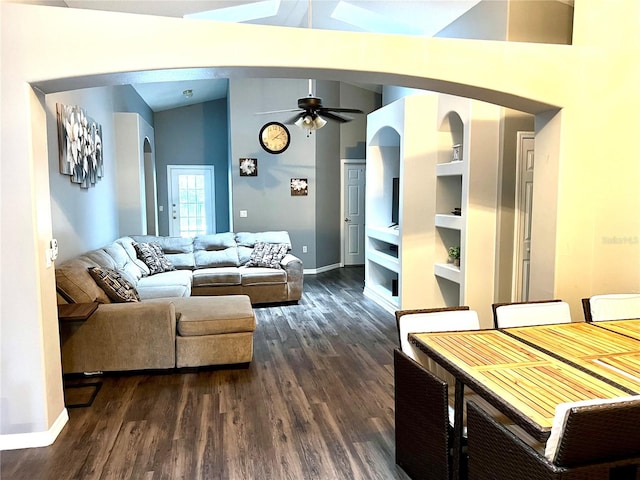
(195, 311)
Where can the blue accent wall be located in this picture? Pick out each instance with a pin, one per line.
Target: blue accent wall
(193, 135)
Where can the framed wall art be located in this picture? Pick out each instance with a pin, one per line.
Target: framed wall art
(299, 187)
(248, 167)
(79, 145)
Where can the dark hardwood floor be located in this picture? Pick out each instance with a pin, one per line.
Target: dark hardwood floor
(315, 403)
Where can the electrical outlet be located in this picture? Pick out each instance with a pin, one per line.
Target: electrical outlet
(304, 249)
(243, 214)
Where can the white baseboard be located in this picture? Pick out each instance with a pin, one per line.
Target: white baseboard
(17, 441)
(380, 300)
(315, 271)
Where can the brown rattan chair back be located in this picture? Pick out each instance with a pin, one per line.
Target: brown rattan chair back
(496, 453)
(422, 430)
(600, 433)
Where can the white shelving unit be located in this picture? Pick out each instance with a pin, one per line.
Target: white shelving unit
(397, 264)
(412, 139)
(470, 184)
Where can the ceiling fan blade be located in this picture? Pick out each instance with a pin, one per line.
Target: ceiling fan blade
(278, 111)
(295, 118)
(336, 109)
(333, 116)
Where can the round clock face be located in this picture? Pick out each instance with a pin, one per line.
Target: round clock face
(274, 137)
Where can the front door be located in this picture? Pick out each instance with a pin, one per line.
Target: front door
(191, 196)
(353, 175)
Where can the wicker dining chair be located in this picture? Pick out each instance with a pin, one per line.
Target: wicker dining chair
(424, 415)
(423, 435)
(614, 306)
(522, 314)
(595, 442)
(432, 320)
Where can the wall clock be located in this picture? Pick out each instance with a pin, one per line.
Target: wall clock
(274, 137)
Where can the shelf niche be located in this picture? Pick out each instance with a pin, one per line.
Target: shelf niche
(400, 144)
(451, 186)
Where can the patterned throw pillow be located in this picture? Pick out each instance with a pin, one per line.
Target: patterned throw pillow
(153, 257)
(165, 263)
(117, 288)
(267, 255)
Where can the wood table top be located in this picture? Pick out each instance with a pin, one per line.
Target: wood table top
(630, 328)
(523, 382)
(611, 356)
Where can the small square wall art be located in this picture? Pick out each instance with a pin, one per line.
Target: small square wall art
(248, 167)
(299, 187)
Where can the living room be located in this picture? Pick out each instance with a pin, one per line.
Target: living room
(573, 78)
(217, 133)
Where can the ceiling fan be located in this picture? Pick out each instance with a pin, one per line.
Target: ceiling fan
(312, 115)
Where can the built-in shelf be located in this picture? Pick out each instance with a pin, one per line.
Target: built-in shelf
(450, 169)
(454, 222)
(448, 271)
(402, 190)
(385, 234)
(388, 260)
(430, 127)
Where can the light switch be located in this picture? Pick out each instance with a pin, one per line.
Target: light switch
(161, 208)
(243, 214)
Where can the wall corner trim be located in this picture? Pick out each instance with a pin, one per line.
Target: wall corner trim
(36, 439)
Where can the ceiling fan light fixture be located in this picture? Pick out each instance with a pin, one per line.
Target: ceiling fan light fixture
(310, 121)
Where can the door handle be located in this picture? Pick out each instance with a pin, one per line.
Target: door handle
(347, 219)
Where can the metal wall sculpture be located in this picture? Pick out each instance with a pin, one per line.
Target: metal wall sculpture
(79, 145)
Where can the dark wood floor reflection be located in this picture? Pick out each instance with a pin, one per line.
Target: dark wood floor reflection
(316, 403)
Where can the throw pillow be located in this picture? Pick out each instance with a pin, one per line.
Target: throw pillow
(153, 257)
(267, 255)
(117, 288)
(165, 263)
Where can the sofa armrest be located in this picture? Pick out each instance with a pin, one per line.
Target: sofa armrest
(121, 336)
(295, 276)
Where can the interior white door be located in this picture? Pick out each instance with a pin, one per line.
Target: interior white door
(524, 204)
(191, 194)
(353, 195)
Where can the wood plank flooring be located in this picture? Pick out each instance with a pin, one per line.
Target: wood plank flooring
(316, 403)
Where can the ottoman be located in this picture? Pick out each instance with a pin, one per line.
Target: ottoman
(215, 330)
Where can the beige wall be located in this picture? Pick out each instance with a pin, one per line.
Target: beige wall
(588, 144)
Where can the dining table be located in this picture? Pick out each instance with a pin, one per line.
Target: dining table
(525, 372)
(602, 349)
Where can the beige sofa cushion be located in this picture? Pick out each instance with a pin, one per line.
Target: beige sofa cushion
(75, 284)
(176, 283)
(216, 250)
(262, 276)
(123, 262)
(127, 244)
(249, 239)
(178, 250)
(214, 315)
(210, 277)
